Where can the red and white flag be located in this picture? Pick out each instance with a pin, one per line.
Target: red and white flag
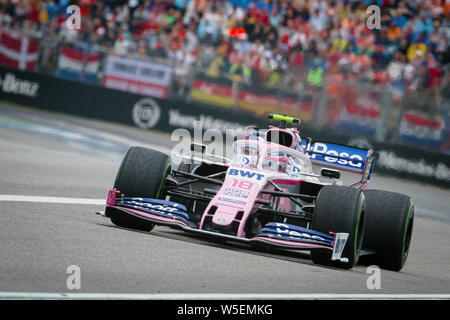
(72, 61)
(18, 51)
(421, 127)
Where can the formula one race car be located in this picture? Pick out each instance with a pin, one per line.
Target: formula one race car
(269, 195)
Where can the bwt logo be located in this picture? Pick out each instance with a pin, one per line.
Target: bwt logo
(373, 17)
(245, 174)
(73, 22)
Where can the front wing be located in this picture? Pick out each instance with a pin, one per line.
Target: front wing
(175, 215)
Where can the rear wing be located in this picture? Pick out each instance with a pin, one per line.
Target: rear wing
(342, 157)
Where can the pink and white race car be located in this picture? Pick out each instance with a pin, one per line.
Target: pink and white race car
(269, 194)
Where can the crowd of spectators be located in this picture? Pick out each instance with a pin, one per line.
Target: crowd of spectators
(269, 42)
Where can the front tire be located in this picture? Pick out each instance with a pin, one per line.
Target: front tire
(141, 174)
(390, 220)
(340, 209)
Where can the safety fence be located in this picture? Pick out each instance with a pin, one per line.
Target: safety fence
(366, 110)
(81, 99)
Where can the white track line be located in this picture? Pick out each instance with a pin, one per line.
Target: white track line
(219, 296)
(60, 200)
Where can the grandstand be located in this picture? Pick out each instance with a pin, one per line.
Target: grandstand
(227, 53)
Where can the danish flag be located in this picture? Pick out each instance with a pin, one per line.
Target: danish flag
(18, 51)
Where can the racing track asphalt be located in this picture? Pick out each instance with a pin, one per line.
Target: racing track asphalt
(53, 155)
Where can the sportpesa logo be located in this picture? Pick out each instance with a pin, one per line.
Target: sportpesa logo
(283, 229)
(321, 149)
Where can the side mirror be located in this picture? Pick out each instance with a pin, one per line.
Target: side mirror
(330, 173)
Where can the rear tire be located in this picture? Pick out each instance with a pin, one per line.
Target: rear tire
(390, 220)
(340, 209)
(141, 174)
